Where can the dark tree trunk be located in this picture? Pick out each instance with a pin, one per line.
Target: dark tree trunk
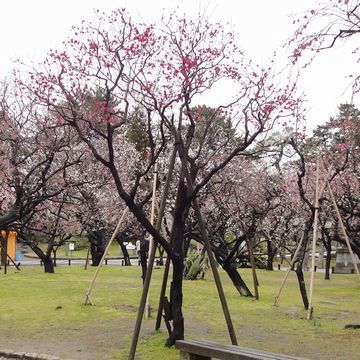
(327, 261)
(299, 266)
(176, 295)
(3, 250)
(54, 252)
(271, 252)
(186, 246)
(45, 258)
(96, 254)
(97, 245)
(161, 256)
(237, 280)
(302, 286)
(176, 298)
(120, 238)
(228, 263)
(144, 248)
(48, 264)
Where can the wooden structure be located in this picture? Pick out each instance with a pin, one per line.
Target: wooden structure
(8, 249)
(204, 350)
(11, 244)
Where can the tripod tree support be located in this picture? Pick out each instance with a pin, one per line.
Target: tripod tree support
(315, 235)
(212, 262)
(152, 252)
(152, 246)
(343, 230)
(296, 254)
(88, 300)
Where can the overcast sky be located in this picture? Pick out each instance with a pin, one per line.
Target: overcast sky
(29, 28)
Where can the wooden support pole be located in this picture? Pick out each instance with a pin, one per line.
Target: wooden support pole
(88, 300)
(87, 257)
(152, 252)
(315, 235)
(215, 273)
(152, 246)
(6, 252)
(296, 254)
(159, 224)
(210, 254)
(342, 227)
(343, 230)
(162, 293)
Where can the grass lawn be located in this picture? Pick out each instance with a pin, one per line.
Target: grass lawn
(114, 251)
(45, 313)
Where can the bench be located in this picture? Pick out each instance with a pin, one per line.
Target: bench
(204, 350)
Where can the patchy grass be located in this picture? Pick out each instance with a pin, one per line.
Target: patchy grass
(45, 313)
(114, 251)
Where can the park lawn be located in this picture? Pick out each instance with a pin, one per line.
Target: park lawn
(114, 251)
(45, 313)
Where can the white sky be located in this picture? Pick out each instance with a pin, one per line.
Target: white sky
(29, 28)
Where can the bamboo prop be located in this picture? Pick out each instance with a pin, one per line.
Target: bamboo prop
(88, 300)
(87, 258)
(253, 270)
(6, 252)
(296, 254)
(341, 223)
(167, 263)
(147, 280)
(162, 293)
(315, 235)
(163, 286)
(282, 253)
(212, 262)
(215, 273)
(152, 247)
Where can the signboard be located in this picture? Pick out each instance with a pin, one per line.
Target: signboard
(71, 246)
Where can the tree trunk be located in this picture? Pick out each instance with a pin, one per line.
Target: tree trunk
(48, 264)
(120, 239)
(143, 257)
(271, 252)
(176, 298)
(300, 265)
(327, 262)
(54, 252)
(161, 256)
(96, 254)
(321, 256)
(176, 295)
(302, 285)
(3, 250)
(97, 247)
(237, 280)
(45, 258)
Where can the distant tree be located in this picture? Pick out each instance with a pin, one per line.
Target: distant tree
(51, 225)
(35, 155)
(327, 25)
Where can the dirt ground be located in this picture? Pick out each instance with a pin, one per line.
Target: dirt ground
(100, 341)
(72, 343)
